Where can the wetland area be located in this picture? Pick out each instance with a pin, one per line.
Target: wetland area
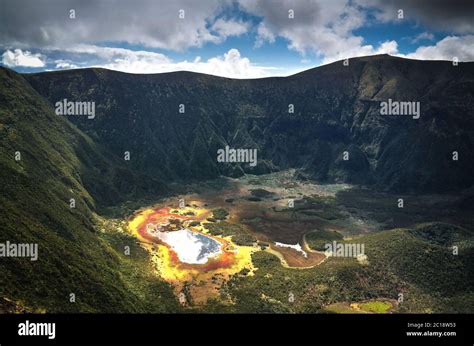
(268, 236)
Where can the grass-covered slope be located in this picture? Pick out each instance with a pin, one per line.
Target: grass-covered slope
(416, 265)
(424, 258)
(58, 162)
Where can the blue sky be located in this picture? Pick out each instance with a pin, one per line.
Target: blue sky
(237, 39)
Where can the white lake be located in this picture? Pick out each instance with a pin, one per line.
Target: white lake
(191, 247)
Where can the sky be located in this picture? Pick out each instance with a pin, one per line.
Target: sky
(229, 38)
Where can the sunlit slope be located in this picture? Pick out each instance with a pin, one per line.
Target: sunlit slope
(434, 259)
(58, 162)
(413, 268)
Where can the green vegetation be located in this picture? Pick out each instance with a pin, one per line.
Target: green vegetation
(325, 125)
(254, 199)
(220, 214)
(261, 193)
(379, 307)
(445, 235)
(240, 235)
(340, 308)
(75, 158)
(323, 207)
(429, 276)
(58, 162)
(317, 239)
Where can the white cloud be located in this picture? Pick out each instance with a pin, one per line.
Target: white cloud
(422, 37)
(324, 28)
(263, 35)
(149, 23)
(321, 28)
(231, 64)
(387, 47)
(230, 27)
(114, 54)
(20, 58)
(452, 16)
(461, 47)
(65, 64)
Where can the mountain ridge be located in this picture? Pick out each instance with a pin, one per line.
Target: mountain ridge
(53, 178)
(336, 109)
(335, 63)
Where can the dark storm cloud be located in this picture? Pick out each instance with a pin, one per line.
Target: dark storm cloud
(439, 15)
(155, 23)
(147, 22)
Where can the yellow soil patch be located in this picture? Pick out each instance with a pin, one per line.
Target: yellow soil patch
(203, 281)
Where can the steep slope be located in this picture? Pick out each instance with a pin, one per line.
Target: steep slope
(44, 162)
(336, 109)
